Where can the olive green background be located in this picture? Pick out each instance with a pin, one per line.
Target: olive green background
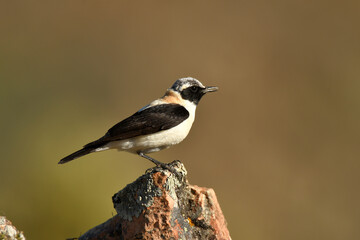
(279, 142)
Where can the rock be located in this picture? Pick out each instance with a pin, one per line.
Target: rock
(9, 231)
(162, 205)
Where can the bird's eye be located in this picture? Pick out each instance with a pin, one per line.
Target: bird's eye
(194, 89)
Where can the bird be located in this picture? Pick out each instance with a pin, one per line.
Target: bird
(159, 125)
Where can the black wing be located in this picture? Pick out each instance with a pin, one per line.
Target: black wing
(148, 121)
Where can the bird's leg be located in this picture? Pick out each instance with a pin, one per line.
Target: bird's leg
(156, 162)
(160, 164)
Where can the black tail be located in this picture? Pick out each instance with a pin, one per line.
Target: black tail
(76, 154)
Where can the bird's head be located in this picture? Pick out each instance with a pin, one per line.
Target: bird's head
(191, 89)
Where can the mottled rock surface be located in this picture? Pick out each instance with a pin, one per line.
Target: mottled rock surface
(162, 205)
(9, 231)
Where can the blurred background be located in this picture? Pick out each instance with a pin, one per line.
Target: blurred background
(279, 142)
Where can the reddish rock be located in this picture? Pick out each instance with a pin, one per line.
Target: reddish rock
(162, 205)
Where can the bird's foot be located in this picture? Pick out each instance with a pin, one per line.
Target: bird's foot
(171, 169)
(166, 166)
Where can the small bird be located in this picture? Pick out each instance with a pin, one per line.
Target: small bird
(157, 126)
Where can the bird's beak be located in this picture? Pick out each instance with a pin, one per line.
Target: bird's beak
(210, 89)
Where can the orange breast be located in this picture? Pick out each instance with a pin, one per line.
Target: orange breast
(172, 97)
